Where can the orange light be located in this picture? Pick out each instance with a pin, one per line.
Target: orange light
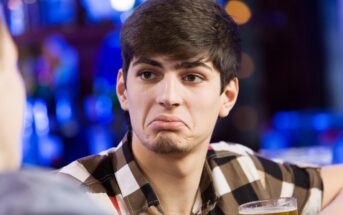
(239, 11)
(247, 67)
(245, 118)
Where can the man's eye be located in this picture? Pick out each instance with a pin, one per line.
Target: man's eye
(146, 75)
(194, 78)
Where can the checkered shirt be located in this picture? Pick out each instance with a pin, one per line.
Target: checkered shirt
(232, 175)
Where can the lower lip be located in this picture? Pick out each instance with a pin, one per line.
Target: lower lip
(164, 125)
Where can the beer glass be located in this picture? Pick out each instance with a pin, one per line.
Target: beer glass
(281, 206)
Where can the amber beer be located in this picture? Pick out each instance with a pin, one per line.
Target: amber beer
(281, 206)
(269, 212)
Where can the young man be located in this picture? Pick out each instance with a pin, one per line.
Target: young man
(180, 59)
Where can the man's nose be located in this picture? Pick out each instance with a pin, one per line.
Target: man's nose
(169, 92)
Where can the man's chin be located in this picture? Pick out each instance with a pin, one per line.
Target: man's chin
(168, 143)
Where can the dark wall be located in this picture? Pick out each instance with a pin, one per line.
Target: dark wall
(292, 56)
(284, 39)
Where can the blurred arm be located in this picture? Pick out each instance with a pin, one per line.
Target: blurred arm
(333, 190)
(12, 97)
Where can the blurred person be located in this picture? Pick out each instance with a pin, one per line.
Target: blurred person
(178, 76)
(29, 191)
(12, 102)
(34, 191)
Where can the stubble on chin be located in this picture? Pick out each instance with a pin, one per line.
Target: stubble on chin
(167, 144)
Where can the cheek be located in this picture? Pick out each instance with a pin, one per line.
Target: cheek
(138, 106)
(209, 99)
(206, 109)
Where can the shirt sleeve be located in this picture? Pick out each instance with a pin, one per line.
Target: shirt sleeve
(286, 180)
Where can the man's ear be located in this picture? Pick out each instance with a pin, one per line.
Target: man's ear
(229, 97)
(121, 90)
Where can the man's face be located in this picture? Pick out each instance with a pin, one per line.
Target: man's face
(173, 105)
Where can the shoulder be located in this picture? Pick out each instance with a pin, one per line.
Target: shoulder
(27, 191)
(96, 173)
(222, 155)
(83, 168)
(222, 148)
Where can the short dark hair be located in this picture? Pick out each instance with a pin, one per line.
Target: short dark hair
(183, 29)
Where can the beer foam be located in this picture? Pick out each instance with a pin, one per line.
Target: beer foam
(266, 210)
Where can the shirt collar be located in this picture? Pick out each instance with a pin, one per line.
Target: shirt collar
(137, 191)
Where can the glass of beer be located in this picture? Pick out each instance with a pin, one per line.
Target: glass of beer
(281, 206)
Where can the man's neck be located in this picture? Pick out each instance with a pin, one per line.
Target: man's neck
(174, 178)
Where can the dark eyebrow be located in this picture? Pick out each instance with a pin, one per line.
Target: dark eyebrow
(189, 65)
(182, 65)
(143, 60)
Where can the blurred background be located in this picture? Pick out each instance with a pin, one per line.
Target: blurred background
(290, 104)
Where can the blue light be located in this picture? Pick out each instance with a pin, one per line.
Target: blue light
(98, 9)
(100, 139)
(50, 148)
(99, 108)
(122, 5)
(286, 120)
(322, 122)
(17, 19)
(40, 115)
(338, 151)
(28, 120)
(103, 108)
(274, 140)
(101, 85)
(88, 106)
(58, 11)
(125, 15)
(63, 110)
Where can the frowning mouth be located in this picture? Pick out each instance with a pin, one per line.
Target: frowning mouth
(167, 122)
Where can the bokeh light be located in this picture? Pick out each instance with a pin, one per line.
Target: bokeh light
(14, 4)
(247, 67)
(245, 118)
(239, 11)
(122, 5)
